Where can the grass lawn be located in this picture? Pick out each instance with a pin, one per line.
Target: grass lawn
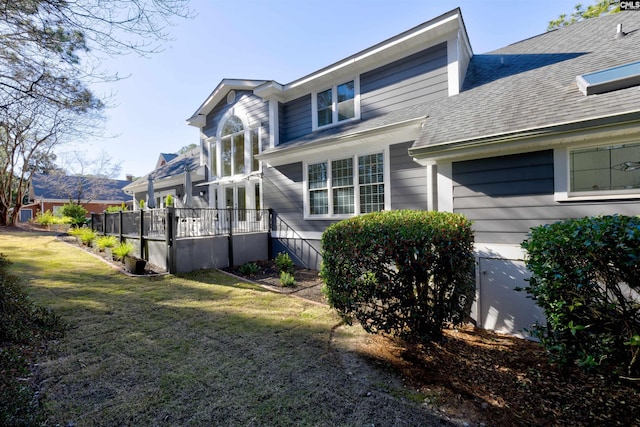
(196, 349)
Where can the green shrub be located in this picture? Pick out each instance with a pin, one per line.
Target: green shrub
(284, 262)
(249, 269)
(287, 279)
(23, 326)
(62, 220)
(122, 250)
(103, 242)
(86, 235)
(586, 277)
(76, 212)
(45, 218)
(169, 200)
(122, 207)
(404, 273)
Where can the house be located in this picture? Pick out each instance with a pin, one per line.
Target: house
(538, 131)
(51, 192)
(543, 130)
(175, 175)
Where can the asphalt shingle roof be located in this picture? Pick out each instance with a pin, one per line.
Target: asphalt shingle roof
(532, 83)
(64, 187)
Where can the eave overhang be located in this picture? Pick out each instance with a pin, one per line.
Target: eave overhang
(583, 131)
(404, 131)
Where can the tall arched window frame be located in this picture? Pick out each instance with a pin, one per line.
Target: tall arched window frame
(232, 147)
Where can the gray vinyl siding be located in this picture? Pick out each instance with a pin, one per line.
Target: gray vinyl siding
(283, 192)
(296, 118)
(506, 196)
(416, 79)
(413, 80)
(408, 179)
(257, 112)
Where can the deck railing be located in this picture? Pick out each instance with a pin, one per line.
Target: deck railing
(188, 222)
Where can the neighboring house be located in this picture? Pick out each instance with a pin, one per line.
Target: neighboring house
(51, 192)
(507, 138)
(170, 178)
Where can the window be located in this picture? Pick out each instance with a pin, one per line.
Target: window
(606, 169)
(336, 104)
(371, 181)
(232, 149)
(333, 191)
(610, 79)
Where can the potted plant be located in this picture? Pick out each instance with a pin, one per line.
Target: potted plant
(132, 264)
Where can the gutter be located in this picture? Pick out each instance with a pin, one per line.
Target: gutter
(460, 147)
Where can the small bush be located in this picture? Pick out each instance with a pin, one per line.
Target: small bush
(284, 263)
(122, 250)
(86, 235)
(103, 242)
(249, 269)
(76, 212)
(45, 218)
(586, 277)
(112, 209)
(169, 200)
(287, 279)
(404, 273)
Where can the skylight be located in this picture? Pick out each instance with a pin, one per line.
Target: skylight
(610, 79)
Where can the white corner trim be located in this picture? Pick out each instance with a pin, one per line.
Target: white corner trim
(453, 65)
(445, 187)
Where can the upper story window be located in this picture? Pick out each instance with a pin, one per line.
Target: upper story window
(232, 140)
(235, 150)
(336, 104)
(346, 186)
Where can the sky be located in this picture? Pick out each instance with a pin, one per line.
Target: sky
(279, 40)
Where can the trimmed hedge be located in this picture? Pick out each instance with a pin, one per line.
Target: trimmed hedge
(586, 277)
(403, 273)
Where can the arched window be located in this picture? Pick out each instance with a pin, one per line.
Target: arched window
(232, 147)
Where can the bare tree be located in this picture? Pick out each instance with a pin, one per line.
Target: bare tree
(50, 51)
(83, 179)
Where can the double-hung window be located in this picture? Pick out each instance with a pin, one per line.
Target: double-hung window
(346, 186)
(336, 104)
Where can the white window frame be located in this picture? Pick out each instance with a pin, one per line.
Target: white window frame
(356, 184)
(562, 177)
(334, 100)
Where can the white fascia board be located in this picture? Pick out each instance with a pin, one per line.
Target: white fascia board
(560, 134)
(389, 134)
(218, 94)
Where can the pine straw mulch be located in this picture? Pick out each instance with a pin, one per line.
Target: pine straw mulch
(487, 378)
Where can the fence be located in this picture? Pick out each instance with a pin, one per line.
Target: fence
(164, 236)
(187, 222)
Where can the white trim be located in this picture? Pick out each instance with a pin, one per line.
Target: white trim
(334, 104)
(561, 172)
(445, 187)
(453, 66)
(290, 234)
(274, 120)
